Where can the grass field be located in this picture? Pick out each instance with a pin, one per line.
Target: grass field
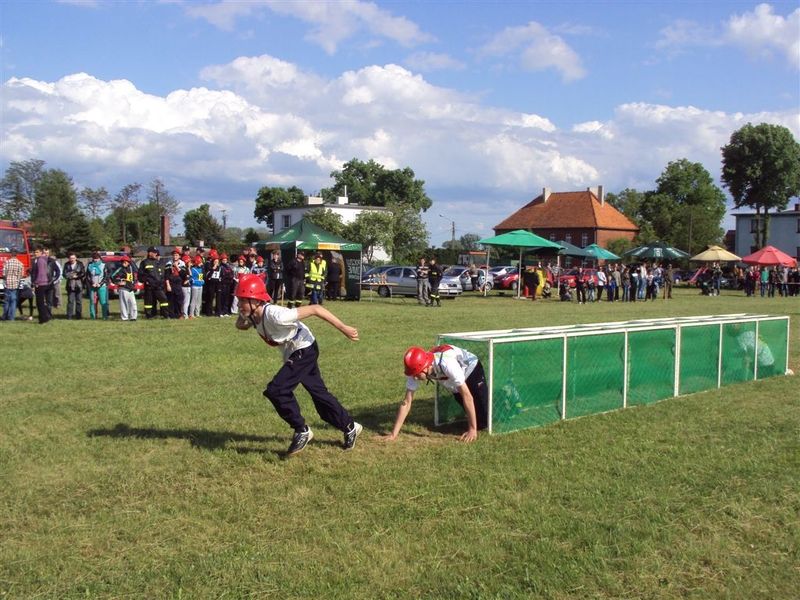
(140, 460)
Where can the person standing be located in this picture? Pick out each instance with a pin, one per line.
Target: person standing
(44, 273)
(580, 286)
(473, 277)
(151, 274)
(97, 280)
(13, 271)
(196, 275)
(239, 269)
(211, 288)
(259, 268)
(226, 286)
(295, 280)
(315, 278)
(423, 285)
(124, 277)
(187, 283)
(602, 283)
(55, 291)
(669, 279)
(275, 276)
(434, 278)
(334, 279)
(75, 273)
(284, 329)
(175, 276)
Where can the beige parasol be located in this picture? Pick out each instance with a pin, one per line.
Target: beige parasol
(716, 254)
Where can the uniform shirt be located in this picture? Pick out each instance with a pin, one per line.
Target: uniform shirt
(280, 327)
(451, 368)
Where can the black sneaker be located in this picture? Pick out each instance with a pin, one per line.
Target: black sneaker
(300, 441)
(351, 435)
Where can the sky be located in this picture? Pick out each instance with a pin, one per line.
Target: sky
(487, 102)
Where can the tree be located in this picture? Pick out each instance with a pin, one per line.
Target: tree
(199, 225)
(469, 241)
(619, 245)
(761, 169)
(55, 213)
(371, 184)
(94, 202)
(328, 220)
(123, 203)
(371, 229)
(18, 188)
(686, 208)
(251, 236)
(271, 198)
(409, 234)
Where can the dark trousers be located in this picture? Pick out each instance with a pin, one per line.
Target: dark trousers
(155, 302)
(224, 297)
(302, 368)
(74, 303)
(210, 298)
(275, 289)
(176, 302)
(295, 291)
(476, 383)
(43, 296)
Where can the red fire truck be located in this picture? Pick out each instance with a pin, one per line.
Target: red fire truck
(13, 237)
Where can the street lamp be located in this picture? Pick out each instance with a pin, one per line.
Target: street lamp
(452, 231)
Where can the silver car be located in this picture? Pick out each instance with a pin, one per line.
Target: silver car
(462, 275)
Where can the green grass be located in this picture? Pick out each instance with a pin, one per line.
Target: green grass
(140, 460)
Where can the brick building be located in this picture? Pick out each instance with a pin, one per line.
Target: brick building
(580, 218)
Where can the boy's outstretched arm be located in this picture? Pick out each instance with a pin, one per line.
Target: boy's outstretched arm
(402, 413)
(469, 407)
(323, 313)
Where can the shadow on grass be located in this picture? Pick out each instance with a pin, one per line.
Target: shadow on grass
(200, 438)
(380, 419)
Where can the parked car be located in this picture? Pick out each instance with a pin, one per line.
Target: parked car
(372, 273)
(112, 261)
(570, 276)
(463, 276)
(509, 281)
(499, 271)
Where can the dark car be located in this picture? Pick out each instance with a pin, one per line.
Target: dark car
(509, 281)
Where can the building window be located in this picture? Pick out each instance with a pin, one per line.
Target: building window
(798, 225)
(286, 222)
(754, 226)
(584, 240)
(553, 235)
(568, 238)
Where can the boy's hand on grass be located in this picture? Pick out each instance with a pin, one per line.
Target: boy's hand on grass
(469, 436)
(389, 437)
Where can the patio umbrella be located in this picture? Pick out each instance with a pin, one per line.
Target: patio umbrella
(715, 254)
(656, 250)
(568, 249)
(524, 240)
(600, 253)
(770, 256)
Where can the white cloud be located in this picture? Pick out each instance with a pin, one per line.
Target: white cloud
(331, 22)
(683, 33)
(762, 32)
(536, 49)
(432, 61)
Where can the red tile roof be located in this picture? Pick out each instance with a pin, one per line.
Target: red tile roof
(567, 210)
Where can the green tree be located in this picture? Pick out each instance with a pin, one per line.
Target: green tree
(761, 169)
(126, 200)
(55, 213)
(619, 245)
(271, 198)
(251, 236)
(327, 219)
(409, 234)
(371, 229)
(199, 225)
(371, 184)
(469, 241)
(165, 203)
(686, 208)
(18, 188)
(94, 201)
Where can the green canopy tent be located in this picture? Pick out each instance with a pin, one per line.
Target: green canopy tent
(657, 250)
(600, 253)
(524, 240)
(305, 235)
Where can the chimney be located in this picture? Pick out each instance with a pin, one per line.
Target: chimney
(545, 194)
(797, 207)
(598, 192)
(164, 233)
(341, 200)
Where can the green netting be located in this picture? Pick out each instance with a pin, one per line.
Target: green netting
(699, 358)
(738, 351)
(595, 373)
(771, 354)
(527, 384)
(651, 365)
(448, 408)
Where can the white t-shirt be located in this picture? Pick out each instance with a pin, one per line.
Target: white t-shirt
(280, 327)
(450, 368)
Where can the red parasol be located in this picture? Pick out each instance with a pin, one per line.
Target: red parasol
(770, 256)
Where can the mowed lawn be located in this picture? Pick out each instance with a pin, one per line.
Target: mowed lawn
(140, 460)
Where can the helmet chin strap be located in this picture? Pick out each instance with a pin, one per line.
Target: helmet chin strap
(250, 316)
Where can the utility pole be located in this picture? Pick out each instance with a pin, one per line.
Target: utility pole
(224, 219)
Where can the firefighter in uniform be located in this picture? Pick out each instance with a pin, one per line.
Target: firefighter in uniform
(315, 278)
(151, 274)
(295, 283)
(435, 278)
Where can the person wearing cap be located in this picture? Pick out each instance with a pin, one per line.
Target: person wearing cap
(187, 284)
(176, 278)
(97, 281)
(259, 268)
(459, 372)
(275, 276)
(151, 274)
(295, 280)
(239, 269)
(315, 278)
(211, 278)
(74, 272)
(284, 329)
(197, 279)
(124, 277)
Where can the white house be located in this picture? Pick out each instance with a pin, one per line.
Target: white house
(784, 232)
(283, 218)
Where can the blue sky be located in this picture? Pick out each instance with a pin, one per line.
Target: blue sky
(488, 102)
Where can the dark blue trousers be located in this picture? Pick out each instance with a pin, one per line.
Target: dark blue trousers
(302, 369)
(476, 384)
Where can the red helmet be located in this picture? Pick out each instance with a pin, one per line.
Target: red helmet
(417, 360)
(223, 256)
(198, 260)
(252, 286)
(241, 258)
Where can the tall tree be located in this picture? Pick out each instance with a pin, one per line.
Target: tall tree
(409, 234)
(18, 188)
(761, 169)
(199, 225)
(469, 241)
(55, 213)
(165, 203)
(327, 219)
(126, 200)
(251, 236)
(371, 229)
(687, 207)
(271, 198)
(94, 201)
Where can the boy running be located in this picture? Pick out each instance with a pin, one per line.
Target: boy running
(282, 327)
